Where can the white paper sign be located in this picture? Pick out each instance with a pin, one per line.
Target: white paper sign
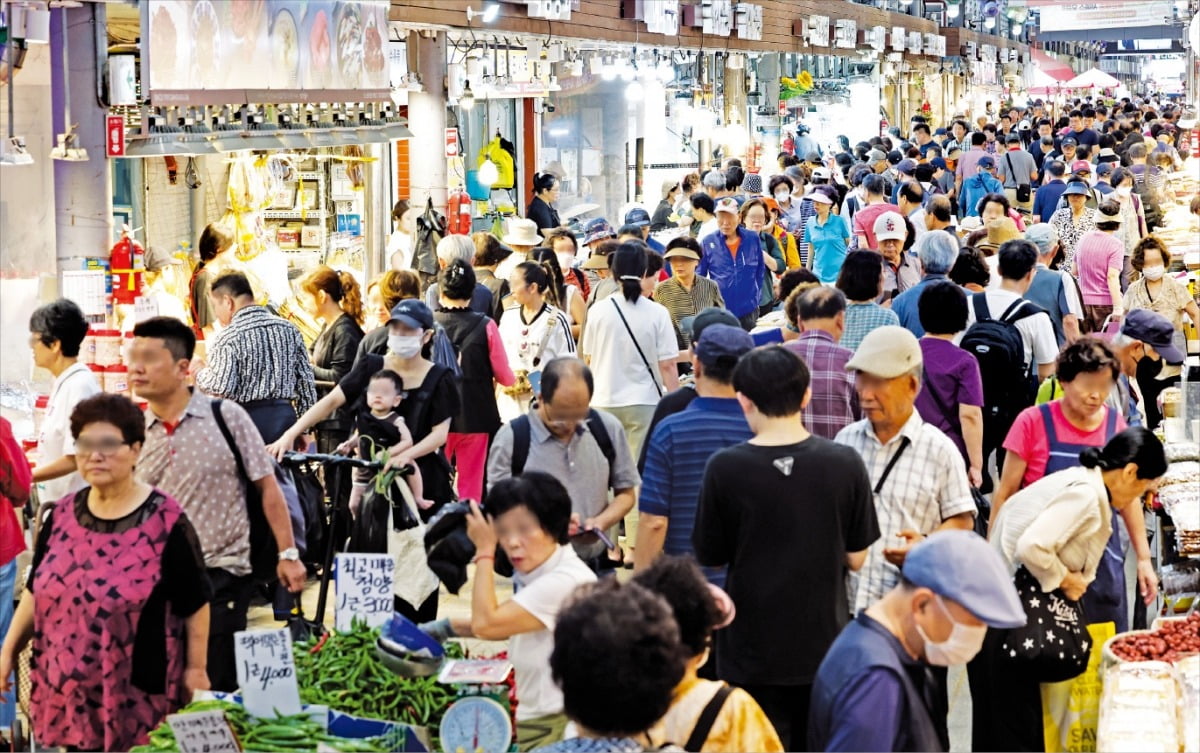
(364, 588)
(267, 672)
(203, 732)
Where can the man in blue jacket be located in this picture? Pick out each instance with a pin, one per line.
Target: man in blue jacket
(733, 258)
(977, 186)
(1045, 199)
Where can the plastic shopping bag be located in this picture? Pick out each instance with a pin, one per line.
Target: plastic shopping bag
(1071, 709)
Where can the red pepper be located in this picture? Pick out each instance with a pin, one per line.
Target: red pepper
(320, 644)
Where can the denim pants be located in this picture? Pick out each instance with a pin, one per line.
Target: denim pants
(8, 581)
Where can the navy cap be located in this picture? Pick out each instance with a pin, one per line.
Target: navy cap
(987, 162)
(637, 216)
(940, 132)
(906, 166)
(1155, 330)
(894, 157)
(963, 567)
(938, 163)
(1104, 168)
(723, 345)
(1076, 188)
(412, 312)
(694, 326)
(1068, 141)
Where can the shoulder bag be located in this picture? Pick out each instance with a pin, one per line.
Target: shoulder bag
(1053, 645)
(1023, 190)
(653, 376)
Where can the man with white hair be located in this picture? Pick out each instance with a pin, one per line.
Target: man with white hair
(936, 250)
(714, 184)
(1054, 291)
(459, 248)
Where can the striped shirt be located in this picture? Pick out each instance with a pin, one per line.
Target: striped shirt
(834, 402)
(676, 456)
(927, 485)
(259, 356)
(861, 318)
(682, 303)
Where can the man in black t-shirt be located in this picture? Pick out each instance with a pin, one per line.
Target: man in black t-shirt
(789, 514)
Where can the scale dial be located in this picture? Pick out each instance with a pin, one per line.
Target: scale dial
(476, 724)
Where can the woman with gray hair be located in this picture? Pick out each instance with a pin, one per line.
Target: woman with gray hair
(454, 248)
(937, 250)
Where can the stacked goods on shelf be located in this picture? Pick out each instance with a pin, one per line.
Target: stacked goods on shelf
(1179, 494)
(1140, 709)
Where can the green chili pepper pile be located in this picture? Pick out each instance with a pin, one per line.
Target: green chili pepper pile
(342, 672)
(295, 734)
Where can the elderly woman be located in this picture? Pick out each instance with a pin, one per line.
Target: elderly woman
(489, 252)
(529, 518)
(617, 657)
(56, 333)
(1099, 259)
(431, 403)
(484, 363)
(454, 248)
(1072, 221)
(1057, 529)
(861, 279)
(1158, 291)
(117, 602)
(699, 608)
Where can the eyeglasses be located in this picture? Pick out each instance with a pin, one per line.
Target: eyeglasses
(106, 447)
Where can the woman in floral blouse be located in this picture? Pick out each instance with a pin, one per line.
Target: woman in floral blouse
(1072, 222)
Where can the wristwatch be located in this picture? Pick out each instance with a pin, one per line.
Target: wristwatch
(291, 554)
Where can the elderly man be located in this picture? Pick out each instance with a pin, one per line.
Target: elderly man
(733, 258)
(821, 318)
(1146, 346)
(454, 248)
(939, 215)
(872, 691)
(899, 268)
(918, 474)
(937, 252)
(912, 204)
(1054, 291)
(584, 448)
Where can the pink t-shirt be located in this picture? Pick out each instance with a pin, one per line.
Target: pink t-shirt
(1027, 437)
(864, 222)
(1097, 253)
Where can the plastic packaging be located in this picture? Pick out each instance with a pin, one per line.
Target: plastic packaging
(108, 347)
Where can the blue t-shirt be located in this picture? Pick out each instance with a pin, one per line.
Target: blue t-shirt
(828, 243)
(1045, 199)
(678, 453)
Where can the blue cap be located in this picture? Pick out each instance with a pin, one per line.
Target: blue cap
(963, 567)
(723, 345)
(637, 216)
(906, 166)
(1076, 187)
(986, 162)
(938, 163)
(412, 312)
(1155, 330)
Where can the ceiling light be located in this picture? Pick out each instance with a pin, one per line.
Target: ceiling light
(466, 100)
(68, 149)
(488, 173)
(989, 23)
(952, 11)
(489, 13)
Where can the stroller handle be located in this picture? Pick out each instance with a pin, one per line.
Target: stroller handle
(297, 458)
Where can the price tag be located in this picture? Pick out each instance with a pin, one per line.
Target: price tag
(203, 732)
(364, 588)
(266, 672)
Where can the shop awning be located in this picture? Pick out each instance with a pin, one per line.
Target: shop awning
(1093, 78)
(1056, 69)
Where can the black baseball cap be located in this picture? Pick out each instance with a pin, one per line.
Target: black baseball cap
(693, 326)
(412, 312)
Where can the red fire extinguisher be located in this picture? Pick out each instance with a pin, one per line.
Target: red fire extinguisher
(458, 213)
(126, 266)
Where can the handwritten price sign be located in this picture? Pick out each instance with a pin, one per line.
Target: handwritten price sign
(267, 672)
(203, 732)
(364, 588)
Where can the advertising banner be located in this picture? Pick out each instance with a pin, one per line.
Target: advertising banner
(1102, 14)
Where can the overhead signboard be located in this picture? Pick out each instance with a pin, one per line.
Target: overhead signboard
(749, 21)
(845, 33)
(818, 31)
(874, 37)
(898, 39)
(1056, 16)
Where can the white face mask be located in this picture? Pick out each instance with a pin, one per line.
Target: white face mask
(782, 196)
(566, 261)
(960, 647)
(1124, 191)
(1154, 273)
(405, 346)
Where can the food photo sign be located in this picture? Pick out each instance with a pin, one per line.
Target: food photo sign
(218, 51)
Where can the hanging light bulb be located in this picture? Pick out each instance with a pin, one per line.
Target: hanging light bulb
(628, 72)
(488, 173)
(608, 68)
(665, 72)
(989, 23)
(634, 92)
(466, 100)
(952, 10)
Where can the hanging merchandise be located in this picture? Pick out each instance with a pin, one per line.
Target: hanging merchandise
(431, 228)
(127, 267)
(503, 160)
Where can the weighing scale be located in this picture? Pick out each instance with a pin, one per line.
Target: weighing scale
(480, 720)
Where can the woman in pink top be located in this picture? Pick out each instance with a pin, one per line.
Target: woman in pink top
(1099, 259)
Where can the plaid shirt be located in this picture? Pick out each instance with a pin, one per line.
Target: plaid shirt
(927, 486)
(834, 402)
(861, 318)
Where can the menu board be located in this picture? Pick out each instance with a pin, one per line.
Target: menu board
(218, 51)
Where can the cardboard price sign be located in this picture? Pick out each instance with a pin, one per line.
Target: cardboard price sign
(364, 589)
(203, 732)
(267, 672)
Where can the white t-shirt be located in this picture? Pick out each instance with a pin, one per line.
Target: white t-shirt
(75, 384)
(400, 246)
(522, 341)
(1037, 333)
(542, 593)
(621, 375)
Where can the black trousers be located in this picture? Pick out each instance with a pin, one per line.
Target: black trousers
(1006, 706)
(272, 417)
(787, 708)
(227, 615)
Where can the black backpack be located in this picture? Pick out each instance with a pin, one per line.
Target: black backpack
(998, 347)
(522, 432)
